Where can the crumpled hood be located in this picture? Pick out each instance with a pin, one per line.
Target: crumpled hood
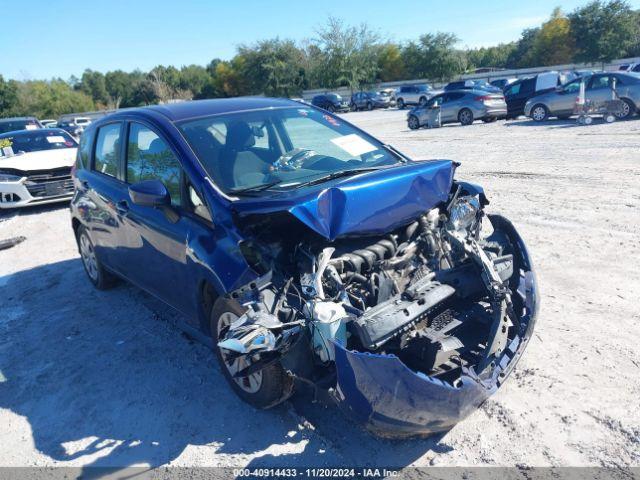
(370, 203)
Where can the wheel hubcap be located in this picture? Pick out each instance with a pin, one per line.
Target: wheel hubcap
(413, 122)
(538, 113)
(250, 383)
(88, 257)
(466, 117)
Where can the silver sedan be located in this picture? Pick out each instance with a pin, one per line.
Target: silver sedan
(463, 106)
(599, 88)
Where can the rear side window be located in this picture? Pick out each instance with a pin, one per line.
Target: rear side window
(84, 151)
(107, 156)
(528, 85)
(150, 158)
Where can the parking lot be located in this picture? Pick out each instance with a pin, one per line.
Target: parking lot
(105, 379)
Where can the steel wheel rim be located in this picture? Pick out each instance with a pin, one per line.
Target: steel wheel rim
(250, 383)
(88, 257)
(538, 113)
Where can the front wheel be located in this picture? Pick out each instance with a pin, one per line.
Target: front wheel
(539, 113)
(413, 122)
(331, 109)
(263, 389)
(369, 106)
(98, 275)
(423, 101)
(465, 117)
(400, 104)
(353, 107)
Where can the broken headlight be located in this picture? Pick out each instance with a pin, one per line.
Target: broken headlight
(464, 212)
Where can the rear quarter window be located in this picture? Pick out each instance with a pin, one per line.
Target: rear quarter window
(84, 150)
(108, 147)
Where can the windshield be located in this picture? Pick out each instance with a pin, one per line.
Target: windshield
(280, 148)
(12, 125)
(334, 97)
(35, 140)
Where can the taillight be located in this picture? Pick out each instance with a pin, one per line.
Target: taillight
(483, 98)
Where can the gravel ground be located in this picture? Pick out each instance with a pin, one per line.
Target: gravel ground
(106, 379)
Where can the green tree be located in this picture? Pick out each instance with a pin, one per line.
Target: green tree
(348, 54)
(496, 56)
(93, 84)
(434, 56)
(273, 67)
(520, 57)
(604, 30)
(8, 97)
(390, 63)
(554, 43)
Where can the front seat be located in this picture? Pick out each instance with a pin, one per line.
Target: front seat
(239, 166)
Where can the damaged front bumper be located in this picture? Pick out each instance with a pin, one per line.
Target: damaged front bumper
(391, 400)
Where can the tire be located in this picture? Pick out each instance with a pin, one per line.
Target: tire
(629, 110)
(265, 388)
(400, 103)
(465, 116)
(413, 122)
(423, 101)
(353, 107)
(331, 108)
(539, 113)
(369, 106)
(489, 119)
(98, 275)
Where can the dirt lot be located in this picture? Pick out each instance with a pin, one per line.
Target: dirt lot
(104, 378)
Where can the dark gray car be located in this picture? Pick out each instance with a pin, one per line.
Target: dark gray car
(463, 106)
(561, 101)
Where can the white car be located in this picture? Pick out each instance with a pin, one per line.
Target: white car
(35, 167)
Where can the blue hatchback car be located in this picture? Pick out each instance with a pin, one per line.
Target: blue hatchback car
(305, 251)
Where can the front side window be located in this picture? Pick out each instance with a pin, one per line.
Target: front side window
(573, 87)
(600, 82)
(306, 145)
(513, 89)
(150, 158)
(107, 156)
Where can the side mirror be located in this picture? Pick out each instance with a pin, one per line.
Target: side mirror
(150, 193)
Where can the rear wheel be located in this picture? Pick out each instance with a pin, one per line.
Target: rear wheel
(96, 272)
(628, 109)
(353, 107)
(263, 389)
(331, 108)
(369, 106)
(400, 103)
(465, 116)
(423, 101)
(539, 113)
(413, 122)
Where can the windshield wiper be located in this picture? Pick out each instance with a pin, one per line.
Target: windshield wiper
(255, 188)
(341, 173)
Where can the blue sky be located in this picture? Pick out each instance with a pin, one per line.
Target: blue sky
(60, 38)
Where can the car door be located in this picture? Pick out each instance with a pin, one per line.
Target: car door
(525, 92)
(599, 89)
(563, 102)
(451, 105)
(104, 189)
(154, 239)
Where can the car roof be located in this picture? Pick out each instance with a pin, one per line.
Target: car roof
(13, 119)
(177, 112)
(24, 133)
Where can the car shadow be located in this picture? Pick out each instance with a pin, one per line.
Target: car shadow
(106, 379)
(7, 213)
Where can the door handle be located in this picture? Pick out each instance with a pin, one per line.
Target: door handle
(122, 207)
